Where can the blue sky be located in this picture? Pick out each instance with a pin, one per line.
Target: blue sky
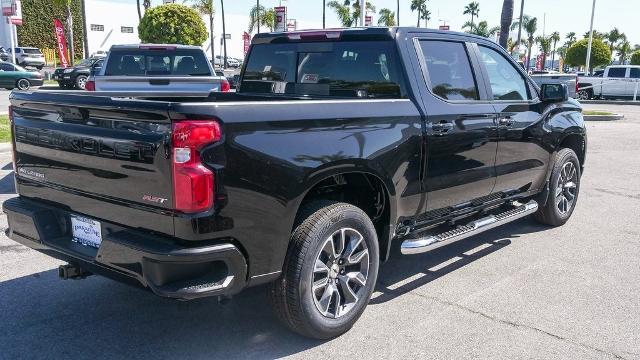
(561, 15)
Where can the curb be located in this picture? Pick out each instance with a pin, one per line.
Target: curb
(610, 102)
(603, 117)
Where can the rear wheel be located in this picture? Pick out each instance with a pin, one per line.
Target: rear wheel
(329, 273)
(81, 82)
(564, 186)
(584, 94)
(23, 84)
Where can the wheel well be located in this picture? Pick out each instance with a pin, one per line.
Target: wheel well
(365, 191)
(575, 143)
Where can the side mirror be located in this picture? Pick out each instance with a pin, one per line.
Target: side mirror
(554, 92)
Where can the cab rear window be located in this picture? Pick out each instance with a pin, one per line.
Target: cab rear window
(359, 69)
(142, 62)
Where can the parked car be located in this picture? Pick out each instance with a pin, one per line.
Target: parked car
(77, 76)
(4, 55)
(13, 76)
(29, 56)
(617, 82)
(552, 77)
(99, 54)
(339, 144)
(233, 81)
(162, 68)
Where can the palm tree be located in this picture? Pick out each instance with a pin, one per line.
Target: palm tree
(426, 16)
(613, 37)
(420, 6)
(343, 10)
(530, 26)
(555, 37)
(356, 11)
(481, 29)
(259, 16)
(545, 48)
(596, 35)
(205, 7)
(66, 4)
(473, 9)
(386, 17)
(571, 38)
(624, 49)
(506, 18)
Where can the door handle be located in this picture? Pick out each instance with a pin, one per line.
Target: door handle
(442, 128)
(505, 121)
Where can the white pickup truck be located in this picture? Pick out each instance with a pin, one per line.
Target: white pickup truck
(617, 81)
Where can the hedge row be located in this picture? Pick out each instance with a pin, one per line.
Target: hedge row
(37, 29)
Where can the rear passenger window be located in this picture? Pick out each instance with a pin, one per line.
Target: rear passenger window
(635, 73)
(507, 83)
(449, 70)
(617, 72)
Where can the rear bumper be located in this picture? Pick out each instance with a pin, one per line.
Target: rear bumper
(155, 262)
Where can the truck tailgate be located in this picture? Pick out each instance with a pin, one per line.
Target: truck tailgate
(102, 157)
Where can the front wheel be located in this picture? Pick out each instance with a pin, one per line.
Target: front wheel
(329, 273)
(81, 82)
(564, 186)
(23, 84)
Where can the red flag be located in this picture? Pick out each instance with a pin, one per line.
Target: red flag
(247, 39)
(62, 43)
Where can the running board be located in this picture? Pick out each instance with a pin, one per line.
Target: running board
(431, 242)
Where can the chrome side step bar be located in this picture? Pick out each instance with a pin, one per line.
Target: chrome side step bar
(431, 242)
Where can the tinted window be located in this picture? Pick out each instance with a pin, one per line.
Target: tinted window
(506, 81)
(157, 62)
(31, 51)
(617, 72)
(364, 69)
(6, 67)
(449, 70)
(635, 73)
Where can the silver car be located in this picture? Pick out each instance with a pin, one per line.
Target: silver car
(161, 68)
(28, 56)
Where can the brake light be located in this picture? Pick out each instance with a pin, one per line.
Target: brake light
(577, 84)
(193, 183)
(90, 85)
(315, 35)
(225, 86)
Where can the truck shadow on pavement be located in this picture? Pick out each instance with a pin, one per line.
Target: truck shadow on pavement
(41, 316)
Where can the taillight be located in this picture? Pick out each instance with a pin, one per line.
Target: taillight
(90, 85)
(577, 84)
(193, 183)
(225, 86)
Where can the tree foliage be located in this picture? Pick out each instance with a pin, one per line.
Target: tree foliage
(635, 58)
(263, 17)
(577, 53)
(172, 24)
(37, 28)
(386, 17)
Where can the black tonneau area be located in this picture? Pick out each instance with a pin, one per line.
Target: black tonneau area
(105, 158)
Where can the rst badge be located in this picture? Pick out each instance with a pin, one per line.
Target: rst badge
(153, 199)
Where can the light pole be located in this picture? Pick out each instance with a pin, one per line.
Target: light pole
(520, 29)
(324, 17)
(362, 11)
(587, 62)
(258, 14)
(398, 12)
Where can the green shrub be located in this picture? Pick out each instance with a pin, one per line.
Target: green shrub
(172, 24)
(577, 53)
(37, 28)
(635, 58)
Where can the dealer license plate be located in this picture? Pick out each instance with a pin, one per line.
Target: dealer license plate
(86, 231)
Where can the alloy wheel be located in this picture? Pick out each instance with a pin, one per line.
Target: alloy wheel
(567, 188)
(23, 84)
(340, 273)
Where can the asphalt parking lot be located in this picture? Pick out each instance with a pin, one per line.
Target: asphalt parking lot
(523, 291)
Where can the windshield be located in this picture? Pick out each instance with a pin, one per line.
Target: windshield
(141, 62)
(355, 69)
(85, 62)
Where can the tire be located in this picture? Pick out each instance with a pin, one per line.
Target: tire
(39, 67)
(584, 94)
(23, 84)
(322, 226)
(81, 81)
(564, 188)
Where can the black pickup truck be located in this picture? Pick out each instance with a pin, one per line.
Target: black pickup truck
(337, 146)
